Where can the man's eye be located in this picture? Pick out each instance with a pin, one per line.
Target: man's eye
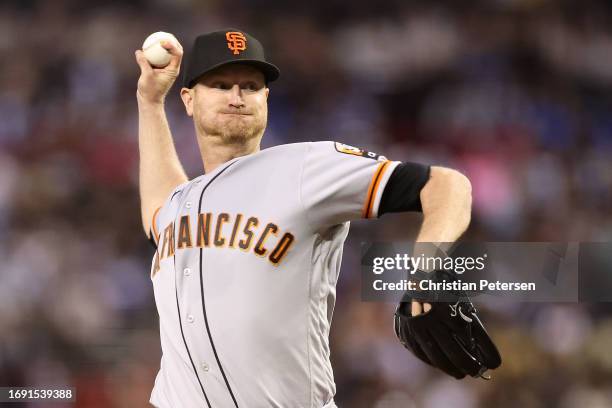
(220, 85)
(251, 86)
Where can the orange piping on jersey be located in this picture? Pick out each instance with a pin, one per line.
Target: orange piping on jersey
(370, 198)
(155, 233)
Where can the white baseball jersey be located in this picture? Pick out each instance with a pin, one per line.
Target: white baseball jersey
(245, 275)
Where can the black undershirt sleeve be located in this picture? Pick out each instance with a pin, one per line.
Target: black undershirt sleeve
(402, 192)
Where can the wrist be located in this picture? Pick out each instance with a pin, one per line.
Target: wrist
(144, 102)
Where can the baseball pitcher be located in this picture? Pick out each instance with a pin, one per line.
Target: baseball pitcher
(248, 254)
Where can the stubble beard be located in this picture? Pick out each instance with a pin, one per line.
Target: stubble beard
(235, 130)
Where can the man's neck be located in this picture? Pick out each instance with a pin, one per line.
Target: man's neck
(215, 154)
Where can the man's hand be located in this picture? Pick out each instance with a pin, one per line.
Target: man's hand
(449, 335)
(154, 83)
(418, 307)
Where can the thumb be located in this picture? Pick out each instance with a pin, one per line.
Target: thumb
(142, 62)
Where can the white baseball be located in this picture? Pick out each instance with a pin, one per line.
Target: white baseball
(157, 55)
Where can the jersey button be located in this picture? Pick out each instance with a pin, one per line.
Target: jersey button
(190, 318)
(188, 204)
(205, 367)
(186, 271)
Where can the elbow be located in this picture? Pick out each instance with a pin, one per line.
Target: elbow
(463, 191)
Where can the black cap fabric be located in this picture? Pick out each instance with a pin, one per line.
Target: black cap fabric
(229, 46)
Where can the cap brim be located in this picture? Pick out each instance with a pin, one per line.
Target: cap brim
(270, 71)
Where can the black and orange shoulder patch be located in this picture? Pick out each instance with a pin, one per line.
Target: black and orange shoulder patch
(356, 151)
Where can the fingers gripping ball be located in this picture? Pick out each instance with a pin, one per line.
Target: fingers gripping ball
(157, 55)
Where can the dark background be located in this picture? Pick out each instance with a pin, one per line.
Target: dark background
(514, 93)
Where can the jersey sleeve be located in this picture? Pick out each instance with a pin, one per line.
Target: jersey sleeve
(342, 183)
(154, 231)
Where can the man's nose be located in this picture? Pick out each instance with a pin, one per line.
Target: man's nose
(236, 100)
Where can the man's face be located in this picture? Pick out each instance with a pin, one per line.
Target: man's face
(230, 103)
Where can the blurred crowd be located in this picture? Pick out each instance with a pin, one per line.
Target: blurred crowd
(514, 93)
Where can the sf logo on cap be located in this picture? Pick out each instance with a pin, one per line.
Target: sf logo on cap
(236, 41)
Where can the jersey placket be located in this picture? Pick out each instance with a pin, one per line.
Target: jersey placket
(190, 273)
(182, 270)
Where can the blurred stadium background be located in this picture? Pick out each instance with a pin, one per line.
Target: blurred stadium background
(515, 93)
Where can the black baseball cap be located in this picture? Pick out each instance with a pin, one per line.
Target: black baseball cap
(229, 46)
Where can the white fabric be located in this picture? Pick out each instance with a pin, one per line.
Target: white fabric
(269, 322)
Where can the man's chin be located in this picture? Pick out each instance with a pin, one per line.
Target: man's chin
(234, 132)
(235, 138)
(238, 134)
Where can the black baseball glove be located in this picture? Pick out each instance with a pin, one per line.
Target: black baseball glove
(450, 336)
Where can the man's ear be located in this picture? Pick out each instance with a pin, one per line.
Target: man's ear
(267, 92)
(187, 97)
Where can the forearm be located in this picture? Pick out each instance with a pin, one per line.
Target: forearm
(446, 200)
(160, 168)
